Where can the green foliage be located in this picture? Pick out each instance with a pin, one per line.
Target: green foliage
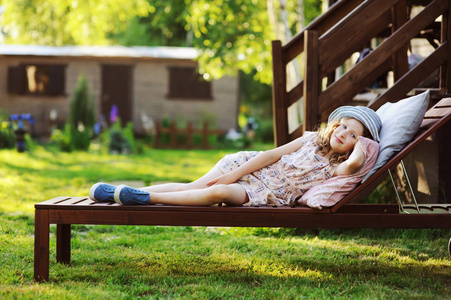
(164, 26)
(231, 34)
(7, 138)
(383, 193)
(81, 119)
(151, 262)
(67, 22)
(119, 139)
(78, 131)
(61, 139)
(82, 106)
(70, 139)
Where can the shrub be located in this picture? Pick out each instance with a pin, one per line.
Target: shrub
(119, 139)
(7, 139)
(78, 131)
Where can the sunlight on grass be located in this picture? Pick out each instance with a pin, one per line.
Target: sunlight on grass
(197, 262)
(29, 178)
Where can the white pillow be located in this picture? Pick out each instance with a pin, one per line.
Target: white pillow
(400, 123)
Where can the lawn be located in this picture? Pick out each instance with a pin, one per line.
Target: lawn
(131, 262)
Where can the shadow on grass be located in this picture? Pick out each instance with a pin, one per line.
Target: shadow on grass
(167, 261)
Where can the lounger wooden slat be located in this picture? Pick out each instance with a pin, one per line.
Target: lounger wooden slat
(444, 102)
(65, 211)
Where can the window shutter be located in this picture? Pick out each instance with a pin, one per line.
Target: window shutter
(57, 80)
(186, 83)
(17, 80)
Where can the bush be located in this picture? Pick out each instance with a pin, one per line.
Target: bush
(77, 133)
(119, 139)
(70, 139)
(7, 139)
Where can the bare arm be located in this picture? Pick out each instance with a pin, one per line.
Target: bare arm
(354, 163)
(261, 160)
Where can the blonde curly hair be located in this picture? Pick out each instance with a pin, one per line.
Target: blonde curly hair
(323, 141)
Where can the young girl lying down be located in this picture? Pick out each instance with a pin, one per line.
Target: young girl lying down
(276, 177)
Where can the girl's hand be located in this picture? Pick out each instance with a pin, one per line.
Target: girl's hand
(223, 179)
(355, 161)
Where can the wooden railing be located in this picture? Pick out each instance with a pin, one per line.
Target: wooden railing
(188, 133)
(331, 39)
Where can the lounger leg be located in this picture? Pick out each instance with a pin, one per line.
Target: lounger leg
(41, 245)
(63, 243)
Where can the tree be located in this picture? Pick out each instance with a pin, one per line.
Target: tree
(163, 26)
(230, 34)
(67, 22)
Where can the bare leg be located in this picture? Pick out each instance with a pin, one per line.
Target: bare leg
(233, 194)
(200, 183)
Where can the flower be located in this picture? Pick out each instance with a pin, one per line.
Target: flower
(114, 113)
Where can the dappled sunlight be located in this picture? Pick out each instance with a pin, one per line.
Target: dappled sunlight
(156, 259)
(38, 175)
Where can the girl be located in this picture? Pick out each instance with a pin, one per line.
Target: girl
(275, 177)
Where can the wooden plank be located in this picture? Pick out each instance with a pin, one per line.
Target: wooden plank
(445, 102)
(445, 71)
(87, 201)
(428, 123)
(337, 49)
(437, 112)
(312, 81)
(280, 102)
(412, 78)
(349, 28)
(54, 200)
(296, 93)
(296, 133)
(72, 200)
(41, 245)
(352, 79)
(399, 17)
(63, 243)
(321, 24)
(447, 31)
(347, 87)
(265, 219)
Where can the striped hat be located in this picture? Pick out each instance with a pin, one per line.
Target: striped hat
(366, 115)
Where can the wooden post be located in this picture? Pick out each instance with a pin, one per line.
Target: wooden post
(158, 135)
(189, 135)
(173, 134)
(205, 135)
(41, 245)
(444, 132)
(312, 80)
(279, 94)
(63, 243)
(445, 69)
(399, 18)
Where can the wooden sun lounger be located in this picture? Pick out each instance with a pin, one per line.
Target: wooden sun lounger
(65, 211)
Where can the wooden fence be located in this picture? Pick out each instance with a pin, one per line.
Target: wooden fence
(187, 135)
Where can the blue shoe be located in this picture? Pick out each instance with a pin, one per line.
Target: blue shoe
(126, 195)
(102, 192)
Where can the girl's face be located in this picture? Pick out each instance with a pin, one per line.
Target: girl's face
(345, 135)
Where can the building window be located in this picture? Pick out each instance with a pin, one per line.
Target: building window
(186, 83)
(37, 79)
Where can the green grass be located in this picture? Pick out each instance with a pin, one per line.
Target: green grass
(131, 262)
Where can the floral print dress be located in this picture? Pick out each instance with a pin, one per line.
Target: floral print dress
(284, 181)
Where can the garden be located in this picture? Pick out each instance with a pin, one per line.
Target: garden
(152, 262)
(170, 262)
